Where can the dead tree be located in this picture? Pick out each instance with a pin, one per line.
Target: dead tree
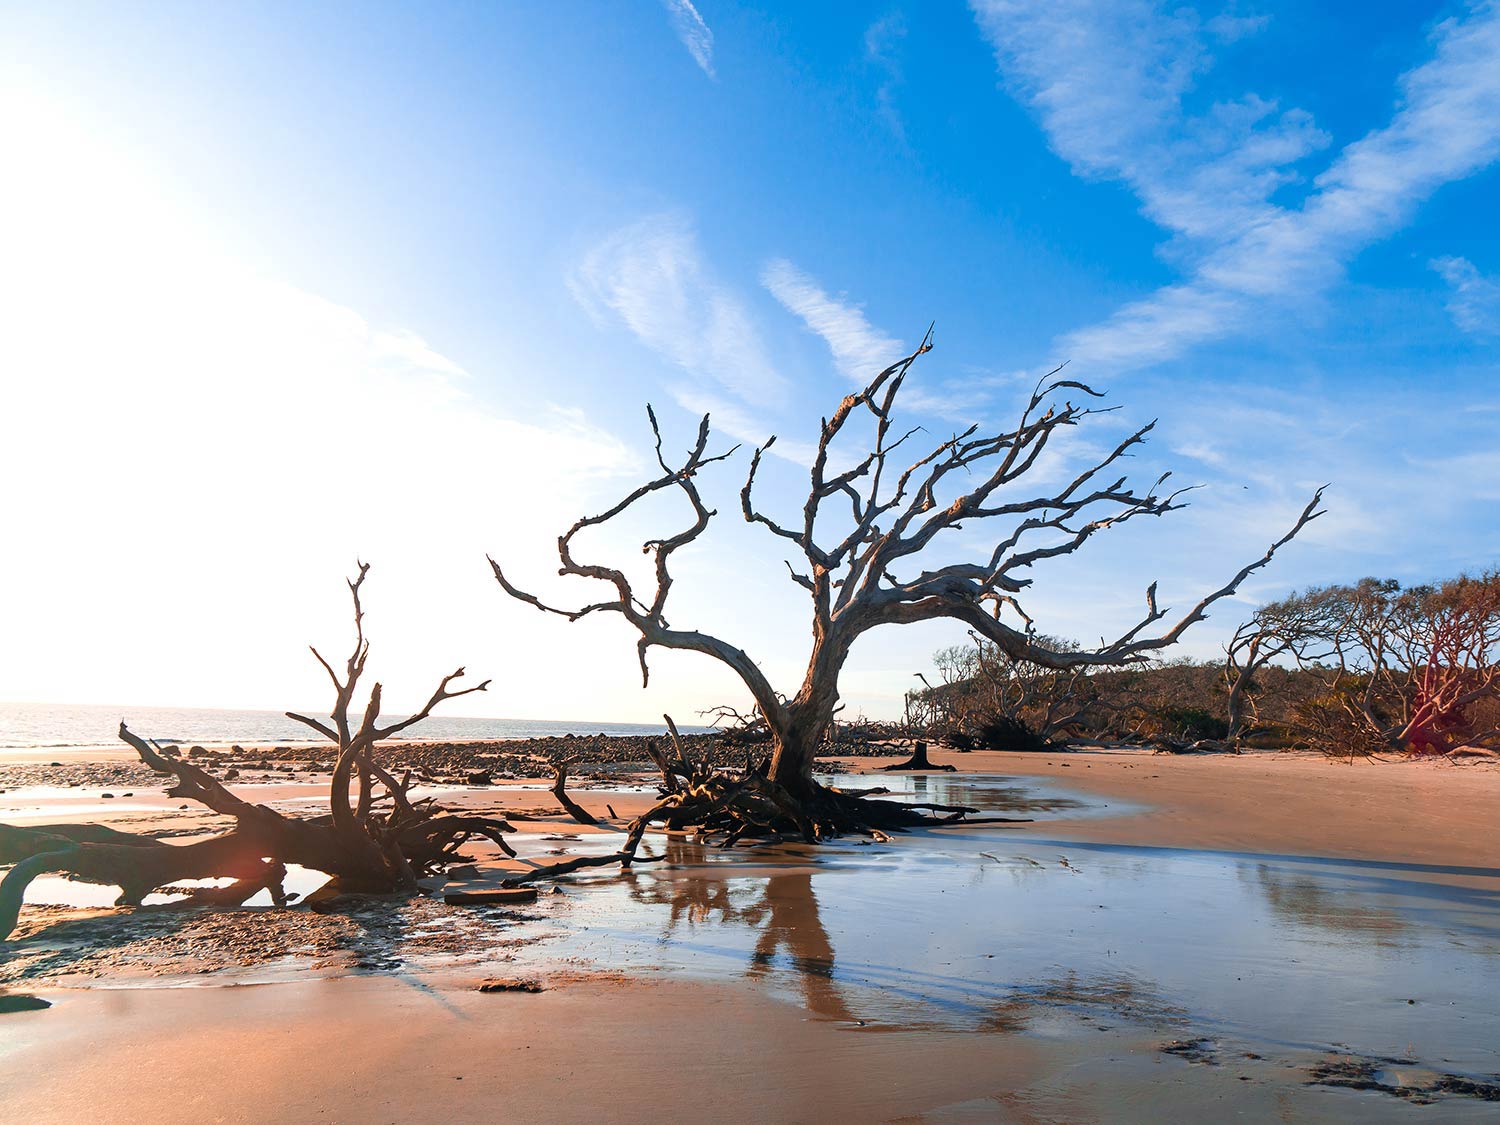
(867, 535)
(374, 838)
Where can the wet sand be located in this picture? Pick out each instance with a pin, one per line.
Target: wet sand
(803, 1034)
(1434, 812)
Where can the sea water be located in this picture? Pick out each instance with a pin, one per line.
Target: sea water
(77, 726)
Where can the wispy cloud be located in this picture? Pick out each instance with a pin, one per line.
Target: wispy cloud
(1473, 299)
(1108, 82)
(693, 32)
(652, 277)
(882, 48)
(859, 350)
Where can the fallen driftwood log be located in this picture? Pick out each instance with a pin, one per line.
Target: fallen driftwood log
(510, 896)
(374, 839)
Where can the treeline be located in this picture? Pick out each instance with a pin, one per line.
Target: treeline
(1349, 670)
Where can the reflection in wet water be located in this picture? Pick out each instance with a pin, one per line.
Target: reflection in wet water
(1002, 929)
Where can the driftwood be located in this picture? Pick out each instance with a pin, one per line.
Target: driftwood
(570, 806)
(374, 838)
(866, 537)
(729, 807)
(514, 896)
(918, 761)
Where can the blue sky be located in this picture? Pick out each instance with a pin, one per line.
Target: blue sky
(291, 283)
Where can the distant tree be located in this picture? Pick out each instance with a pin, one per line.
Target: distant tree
(1414, 669)
(869, 538)
(991, 700)
(1298, 629)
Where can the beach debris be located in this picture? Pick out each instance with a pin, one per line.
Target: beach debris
(510, 984)
(1202, 1051)
(510, 896)
(1401, 1078)
(559, 790)
(919, 761)
(374, 839)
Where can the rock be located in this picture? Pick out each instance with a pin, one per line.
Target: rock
(106, 796)
(466, 871)
(197, 752)
(480, 777)
(231, 773)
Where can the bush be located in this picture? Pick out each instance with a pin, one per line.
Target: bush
(1001, 732)
(1335, 730)
(1193, 723)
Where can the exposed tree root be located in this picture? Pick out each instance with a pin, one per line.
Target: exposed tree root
(750, 806)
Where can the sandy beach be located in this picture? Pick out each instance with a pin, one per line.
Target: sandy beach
(806, 1032)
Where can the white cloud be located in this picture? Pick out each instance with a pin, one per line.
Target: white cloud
(693, 32)
(652, 277)
(1108, 83)
(860, 352)
(882, 47)
(1473, 299)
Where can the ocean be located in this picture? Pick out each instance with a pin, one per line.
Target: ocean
(79, 726)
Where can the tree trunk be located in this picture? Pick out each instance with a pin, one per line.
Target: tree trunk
(798, 730)
(1236, 723)
(793, 754)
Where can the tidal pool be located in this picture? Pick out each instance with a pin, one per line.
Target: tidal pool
(1385, 976)
(1226, 955)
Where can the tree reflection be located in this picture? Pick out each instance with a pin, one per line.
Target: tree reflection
(789, 918)
(783, 910)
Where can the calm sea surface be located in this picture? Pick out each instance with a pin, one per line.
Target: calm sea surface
(64, 726)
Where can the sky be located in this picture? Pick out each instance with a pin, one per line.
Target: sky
(283, 286)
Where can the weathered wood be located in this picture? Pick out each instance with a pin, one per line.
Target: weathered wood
(508, 895)
(570, 806)
(877, 574)
(365, 849)
(918, 761)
